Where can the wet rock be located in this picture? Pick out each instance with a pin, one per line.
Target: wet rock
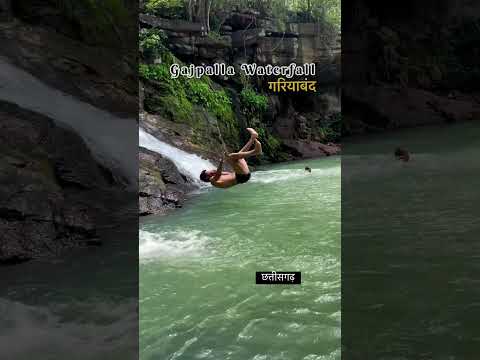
(302, 127)
(50, 183)
(182, 49)
(95, 75)
(311, 149)
(380, 108)
(161, 185)
(241, 21)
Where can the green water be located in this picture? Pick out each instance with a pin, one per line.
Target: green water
(410, 246)
(198, 298)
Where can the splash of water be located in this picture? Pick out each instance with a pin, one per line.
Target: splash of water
(190, 165)
(170, 244)
(273, 176)
(111, 139)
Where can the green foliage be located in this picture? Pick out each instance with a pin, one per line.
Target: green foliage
(270, 144)
(329, 10)
(280, 10)
(171, 98)
(331, 130)
(215, 35)
(215, 101)
(158, 72)
(152, 43)
(170, 9)
(288, 11)
(182, 92)
(252, 102)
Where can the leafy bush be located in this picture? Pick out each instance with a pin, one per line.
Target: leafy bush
(170, 9)
(331, 130)
(273, 146)
(185, 92)
(280, 11)
(216, 101)
(270, 144)
(171, 97)
(159, 72)
(152, 43)
(253, 102)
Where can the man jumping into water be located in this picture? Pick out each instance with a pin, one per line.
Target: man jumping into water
(241, 174)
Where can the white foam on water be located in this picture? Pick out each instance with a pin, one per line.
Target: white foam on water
(111, 139)
(331, 356)
(190, 165)
(101, 330)
(171, 244)
(272, 176)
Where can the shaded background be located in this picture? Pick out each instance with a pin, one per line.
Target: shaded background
(409, 229)
(68, 174)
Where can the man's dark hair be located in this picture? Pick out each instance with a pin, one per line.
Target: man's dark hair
(204, 176)
(400, 152)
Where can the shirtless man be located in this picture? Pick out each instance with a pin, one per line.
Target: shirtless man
(241, 174)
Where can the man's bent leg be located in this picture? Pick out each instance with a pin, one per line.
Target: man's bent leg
(245, 154)
(248, 145)
(253, 136)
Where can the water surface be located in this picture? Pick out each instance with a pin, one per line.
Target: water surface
(198, 298)
(410, 246)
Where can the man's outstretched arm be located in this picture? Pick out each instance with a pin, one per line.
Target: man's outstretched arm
(218, 173)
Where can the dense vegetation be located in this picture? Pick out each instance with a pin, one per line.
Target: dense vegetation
(177, 98)
(213, 11)
(181, 99)
(203, 104)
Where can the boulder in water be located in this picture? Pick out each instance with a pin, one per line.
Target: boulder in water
(161, 185)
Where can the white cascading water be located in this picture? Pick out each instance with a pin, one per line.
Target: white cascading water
(111, 139)
(190, 165)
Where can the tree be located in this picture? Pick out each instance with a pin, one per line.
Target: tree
(199, 11)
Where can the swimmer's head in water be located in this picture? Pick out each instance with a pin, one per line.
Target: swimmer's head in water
(205, 175)
(402, 154)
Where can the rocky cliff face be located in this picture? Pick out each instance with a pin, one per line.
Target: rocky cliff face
(51, 187)
(44, 39)
(245, 37)
(54, 194)
(407, 65)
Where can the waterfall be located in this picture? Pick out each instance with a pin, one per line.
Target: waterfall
(112, 140)
(190, 165)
